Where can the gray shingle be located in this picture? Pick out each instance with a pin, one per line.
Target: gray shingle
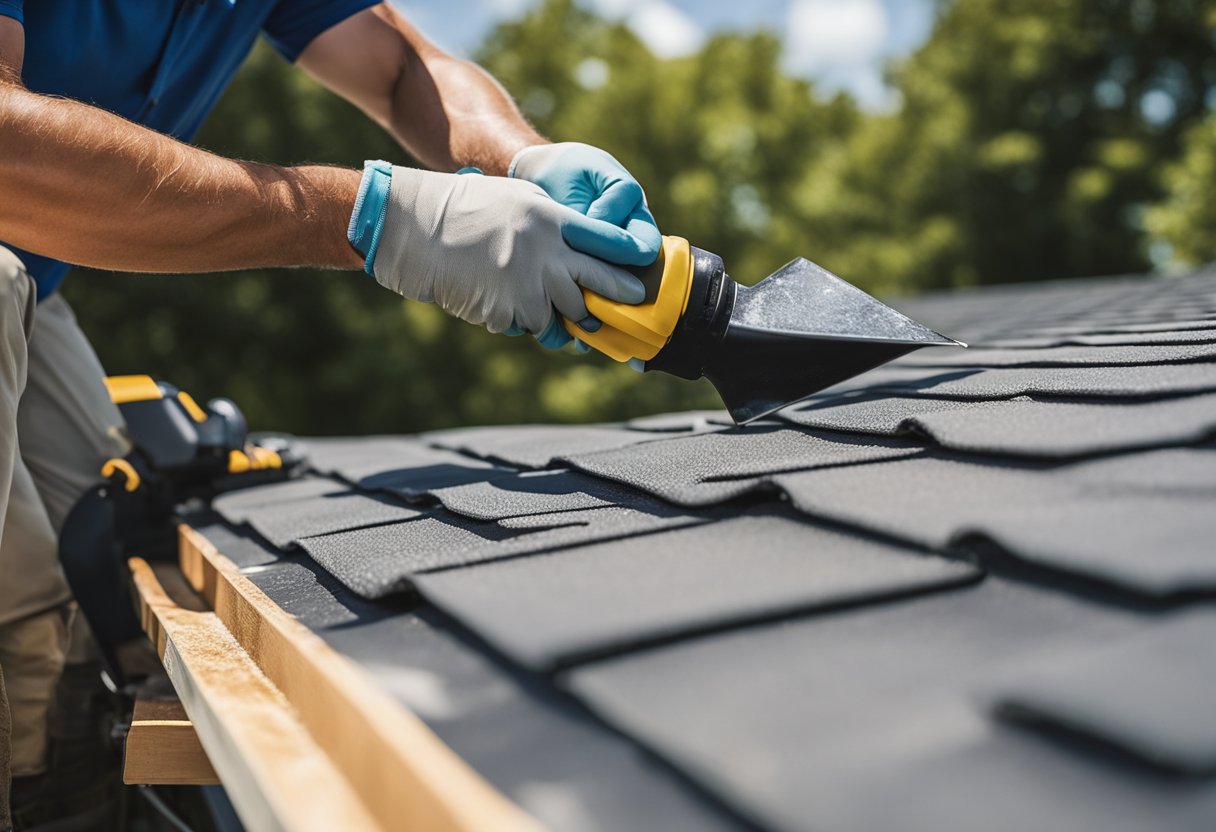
(547, 609)
(687, 421)
(1116, 382)
(883, 416)
(1102, 356)
(576, 776)
(1160, 326)
(306, 487)
(377, 561)
(533, 492)
(1020, 427)
(862, 715)
(401, 466)
(1203, 335)
(713, 467)
(285, 512)
(867, 719)
(1152, 545)
(1150, 694)
(1063, 430)
(536, 446)
(284, 524)
(1181, 471)
(354, 457)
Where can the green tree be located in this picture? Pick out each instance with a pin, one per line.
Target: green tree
(1027, 145)
(1186, 219)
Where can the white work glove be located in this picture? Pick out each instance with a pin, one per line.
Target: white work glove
(488, 250)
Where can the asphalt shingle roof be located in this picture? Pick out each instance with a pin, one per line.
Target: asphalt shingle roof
(967, 590)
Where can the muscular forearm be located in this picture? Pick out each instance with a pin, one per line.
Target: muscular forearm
(85, 186)
(452, 113)
(447, 112)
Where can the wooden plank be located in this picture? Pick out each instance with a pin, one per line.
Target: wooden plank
(406, 776)
(162, 748)
(276, 775)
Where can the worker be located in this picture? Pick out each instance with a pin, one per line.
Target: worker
(97, 101)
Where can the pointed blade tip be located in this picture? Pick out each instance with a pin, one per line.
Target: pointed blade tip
(946, 341)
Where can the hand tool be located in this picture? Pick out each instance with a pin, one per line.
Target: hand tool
(763, 347)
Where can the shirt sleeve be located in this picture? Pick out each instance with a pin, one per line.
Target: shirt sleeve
(293, 24)
(13, 9)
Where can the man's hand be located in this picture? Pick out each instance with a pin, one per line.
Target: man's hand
(488, 250)
(593, 183)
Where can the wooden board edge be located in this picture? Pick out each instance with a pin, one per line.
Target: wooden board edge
(404, 773)
(278, 778)
(163, 749)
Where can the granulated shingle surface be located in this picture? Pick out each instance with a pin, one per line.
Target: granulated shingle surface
(1022, 427)
(536, 446)
(688, 421)
(712, 467)
(977, 383)
(884, 416)
(1149, 694)
(1199, 335)
(380, 560)
(1067, 331)
(1090, 356)
(1165, 472)
(577, 776)
(1065, 430)
(658, 586)
(404, 467)
(970, 590)
(868, 719)
(1154, 545)
(533, 492)
(284, 513)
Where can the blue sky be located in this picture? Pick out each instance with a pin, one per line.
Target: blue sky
(842, 44)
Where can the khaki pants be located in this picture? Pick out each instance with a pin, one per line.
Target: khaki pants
(57, 427)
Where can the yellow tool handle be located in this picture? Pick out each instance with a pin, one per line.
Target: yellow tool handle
(641, 331)
(118, 467)
(253, 458)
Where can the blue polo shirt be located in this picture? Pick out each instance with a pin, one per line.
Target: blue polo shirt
(162, 63)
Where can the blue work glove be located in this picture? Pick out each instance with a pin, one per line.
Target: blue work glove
(593, 183)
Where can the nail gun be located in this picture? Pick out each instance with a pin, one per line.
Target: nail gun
(181, 453)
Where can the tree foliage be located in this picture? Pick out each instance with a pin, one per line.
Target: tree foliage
(1031, 137)
(1029, 141)
(1186, 220)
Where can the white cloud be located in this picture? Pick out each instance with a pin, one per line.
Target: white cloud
(826, 33)
(840, 43)
(667, 31)
(614, 8)
(509, 9)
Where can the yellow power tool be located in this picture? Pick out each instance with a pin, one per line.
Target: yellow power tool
(183, 442)
(799, 330)
(182, 454)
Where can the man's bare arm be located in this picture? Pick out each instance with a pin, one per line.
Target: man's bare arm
(82, 185)
(447, 112)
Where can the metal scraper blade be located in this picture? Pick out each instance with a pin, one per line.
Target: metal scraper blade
(803, 329)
